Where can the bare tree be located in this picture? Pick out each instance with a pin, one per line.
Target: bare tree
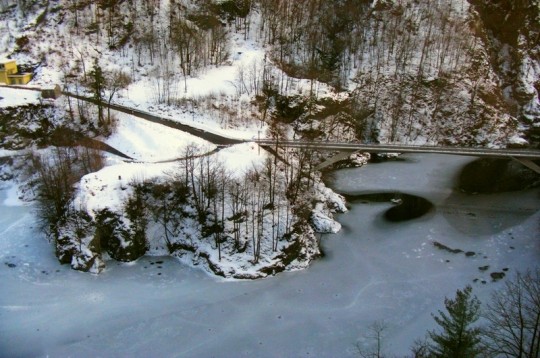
(165, 203)
(187, 40)
(238, 211)
(56, 176)
(55, 187)
(115, 81)
(513, 317)
(420, 348)
(375, 336)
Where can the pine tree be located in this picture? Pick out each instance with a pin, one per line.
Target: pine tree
(97, 84)
(457, 339)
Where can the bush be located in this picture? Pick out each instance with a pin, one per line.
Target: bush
(22, 42)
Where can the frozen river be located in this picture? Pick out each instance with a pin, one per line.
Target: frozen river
(373, 270)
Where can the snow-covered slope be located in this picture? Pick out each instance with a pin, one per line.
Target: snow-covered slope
(413, 71)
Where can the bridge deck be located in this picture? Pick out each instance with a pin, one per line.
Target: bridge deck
(403, 148)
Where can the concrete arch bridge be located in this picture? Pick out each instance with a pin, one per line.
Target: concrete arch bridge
(525, 156)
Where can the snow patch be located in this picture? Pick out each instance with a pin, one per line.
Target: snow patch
(12, 97)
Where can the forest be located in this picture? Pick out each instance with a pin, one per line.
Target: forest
(431, 72)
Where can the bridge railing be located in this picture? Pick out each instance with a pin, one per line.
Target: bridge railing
(404, 148)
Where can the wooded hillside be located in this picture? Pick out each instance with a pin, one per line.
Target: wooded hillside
(407, 71)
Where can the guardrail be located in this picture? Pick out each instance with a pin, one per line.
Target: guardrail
(403, 148)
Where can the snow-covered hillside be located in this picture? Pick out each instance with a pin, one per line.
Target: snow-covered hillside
(408, 71)
(512, 30)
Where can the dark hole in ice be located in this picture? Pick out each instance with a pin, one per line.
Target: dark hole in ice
(410, 207)
(406, 206)
(489, 175)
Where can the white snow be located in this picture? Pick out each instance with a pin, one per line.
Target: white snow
(7, 153)
(150, 142)
(12, 97)
(162, 307)
(109, 187)
(322, 223)
(517, 140)
(12, 196)
(240, 158)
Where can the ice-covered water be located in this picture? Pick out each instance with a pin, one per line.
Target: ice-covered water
(373, 270)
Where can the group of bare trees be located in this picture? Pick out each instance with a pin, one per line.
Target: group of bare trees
(406, 59)
(402, 60)
(311, 39)
(419, 68)
(332, 41)
(173, 40)
(55, 176)
(513, 317)
(249, 213)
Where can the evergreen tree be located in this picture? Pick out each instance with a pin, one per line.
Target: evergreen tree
(457, 339)
(97, 84)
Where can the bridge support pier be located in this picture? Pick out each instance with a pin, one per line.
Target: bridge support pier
(528, 163)
(342, 155)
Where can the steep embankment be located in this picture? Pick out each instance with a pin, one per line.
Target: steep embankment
(512, 35)
(435, 72)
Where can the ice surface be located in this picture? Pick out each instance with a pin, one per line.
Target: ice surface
(372, 270)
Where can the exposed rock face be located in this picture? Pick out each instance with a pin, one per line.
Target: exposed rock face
(128, 246)
(323, 224)
(88, 261)
(65, 249)
(123, 242)
(80, 240)
(327, 203)
(28, 124)
(512, 35)
(76, 244)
